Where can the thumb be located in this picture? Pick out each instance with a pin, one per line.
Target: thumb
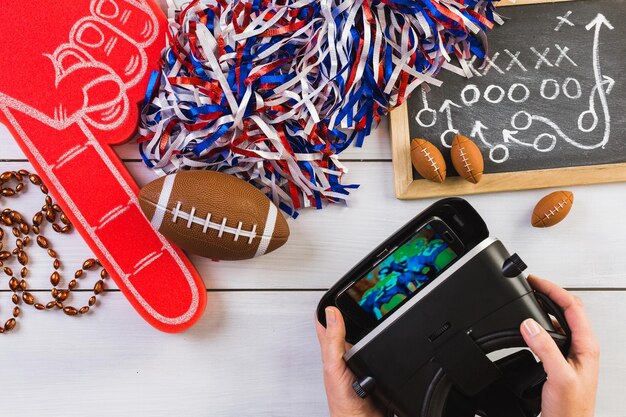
(542, 345)
(333, 342)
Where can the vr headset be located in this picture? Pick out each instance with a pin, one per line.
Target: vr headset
(427, 306)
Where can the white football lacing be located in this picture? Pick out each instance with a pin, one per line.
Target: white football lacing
(555, 209)
(466, 162)
(206, 224)
(433, 163)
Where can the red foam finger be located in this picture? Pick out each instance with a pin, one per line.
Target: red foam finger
(66, 99)
(100, 198)
(102, 40)
(150, 268)
(131, 17)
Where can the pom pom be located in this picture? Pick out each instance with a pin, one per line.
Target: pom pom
(271, 91)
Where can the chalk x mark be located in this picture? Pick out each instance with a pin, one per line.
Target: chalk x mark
(541, 57)
(563, 20)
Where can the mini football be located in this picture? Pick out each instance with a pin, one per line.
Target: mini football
(214, 215)
(428, 160)
(553, 208)
(467, 159)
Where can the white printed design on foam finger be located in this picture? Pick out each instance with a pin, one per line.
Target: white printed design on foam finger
(92, 230)
(116, 110)
(150, 28)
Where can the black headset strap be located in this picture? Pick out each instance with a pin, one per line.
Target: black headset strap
(553, 309)
(441, 389)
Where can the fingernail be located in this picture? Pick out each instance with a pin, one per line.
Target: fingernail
(90, 36)
(532, 327)
(103, 90)
(108, 9)
(330, 316)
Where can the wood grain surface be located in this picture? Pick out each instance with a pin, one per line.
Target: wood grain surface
(254, 353)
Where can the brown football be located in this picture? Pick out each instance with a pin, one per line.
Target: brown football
(553, 208)
(214, 215)
(428, 160)
(467, 159)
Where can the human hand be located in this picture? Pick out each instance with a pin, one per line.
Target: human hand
(570, 389)
(338, 379)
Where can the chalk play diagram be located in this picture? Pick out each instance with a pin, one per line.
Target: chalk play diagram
(536, 94)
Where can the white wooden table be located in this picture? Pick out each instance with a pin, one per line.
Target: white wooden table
(254, 352)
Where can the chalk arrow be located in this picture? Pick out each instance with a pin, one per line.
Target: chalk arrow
(597, 24)
(610, 82)
(477, 131)
(424, 99)
(507, 136)
(446, 106)
(598, 21)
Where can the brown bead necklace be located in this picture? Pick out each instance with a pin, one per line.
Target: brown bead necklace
(22, 231)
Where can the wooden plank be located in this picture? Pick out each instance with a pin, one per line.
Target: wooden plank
(513, 181)
(324, 244)
(401, 150)
(252, 354)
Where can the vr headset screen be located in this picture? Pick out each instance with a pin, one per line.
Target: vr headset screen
(407, 269)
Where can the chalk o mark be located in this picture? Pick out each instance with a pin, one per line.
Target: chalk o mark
(525, 114)
(566, 138)
(539, 138)
(512, 91)
(581, 121)
(557, 89)
(475, 98)
(578, 93)
(500, 96)
(444, 142)
(501, 159)
(433, 120)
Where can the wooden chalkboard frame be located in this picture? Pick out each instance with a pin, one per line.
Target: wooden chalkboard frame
(406, 187)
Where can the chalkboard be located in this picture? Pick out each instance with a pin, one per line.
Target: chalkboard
(547, 108)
